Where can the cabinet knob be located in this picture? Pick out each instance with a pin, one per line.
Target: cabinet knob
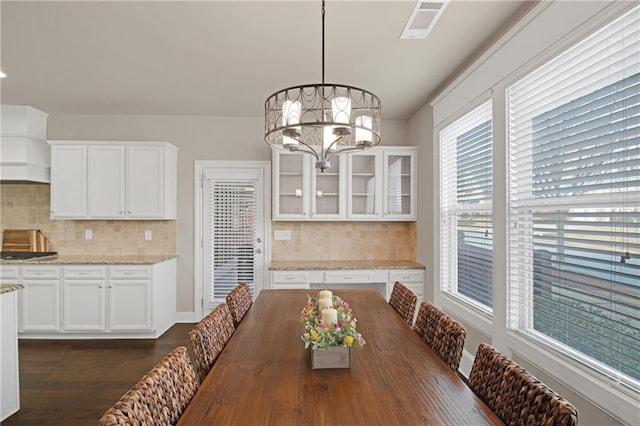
(99, 286)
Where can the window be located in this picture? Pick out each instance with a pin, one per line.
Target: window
(574, 201)
(466, 199)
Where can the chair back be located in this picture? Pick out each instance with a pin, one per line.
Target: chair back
(209, 337)
(514, 395)
(442, 334)
(239, 301)
(403, 301)
(160, 397)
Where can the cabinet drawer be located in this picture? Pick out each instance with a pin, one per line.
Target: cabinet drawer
(347, 277)
(405, 276)
(286, 277)
(129, 272)
(84, 272)
(40, 272)
(9, 273)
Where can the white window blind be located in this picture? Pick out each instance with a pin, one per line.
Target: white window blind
(231, 209)
(466, 212)
(574, 201)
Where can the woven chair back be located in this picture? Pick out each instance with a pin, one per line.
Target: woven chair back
(160, 397)
(514, 395)
(239, 301)
(442, 334)
(403, 300)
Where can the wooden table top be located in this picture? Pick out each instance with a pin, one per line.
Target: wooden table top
(264, 375)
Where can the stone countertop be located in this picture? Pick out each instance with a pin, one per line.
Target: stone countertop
(94, 260)
(6, 288)
(302, 265)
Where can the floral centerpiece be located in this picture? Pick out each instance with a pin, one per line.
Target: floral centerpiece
(319, 333)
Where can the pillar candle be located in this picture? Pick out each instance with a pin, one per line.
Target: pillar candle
(325, 293)
(325, 302)
(329, 316)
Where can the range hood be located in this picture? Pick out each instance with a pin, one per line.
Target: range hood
(25, 155)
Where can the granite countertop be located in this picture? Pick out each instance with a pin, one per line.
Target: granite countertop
(6, 288)
(301, 265)
(94, 260)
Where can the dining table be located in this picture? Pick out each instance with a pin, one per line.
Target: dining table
(264, 376)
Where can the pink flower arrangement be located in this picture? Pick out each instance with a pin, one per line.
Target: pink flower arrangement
(317, 334)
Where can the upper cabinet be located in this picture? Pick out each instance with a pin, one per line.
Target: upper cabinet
(376, 184)
(113, 180)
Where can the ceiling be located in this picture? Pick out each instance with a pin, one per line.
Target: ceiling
(224, 58)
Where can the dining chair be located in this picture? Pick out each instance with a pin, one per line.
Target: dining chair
(442, 334)
(160, 397)
(403, 301)
(209, 337)
(514, 395)
(239, 301)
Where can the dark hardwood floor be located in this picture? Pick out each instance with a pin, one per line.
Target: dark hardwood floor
(73, 382)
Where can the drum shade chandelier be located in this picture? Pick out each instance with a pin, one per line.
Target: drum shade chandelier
(322, 119)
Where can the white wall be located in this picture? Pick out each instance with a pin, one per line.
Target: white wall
(197, 138)
(549, 29)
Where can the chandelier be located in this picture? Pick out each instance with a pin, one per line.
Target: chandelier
(322, 119)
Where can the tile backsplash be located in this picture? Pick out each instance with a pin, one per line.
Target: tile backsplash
(346, 241)
(26, 206)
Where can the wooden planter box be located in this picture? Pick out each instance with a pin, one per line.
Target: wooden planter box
(331, 357)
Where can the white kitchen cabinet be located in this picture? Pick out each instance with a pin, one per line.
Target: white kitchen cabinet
(302, 192)
(122, 180)
(287, 280)
(130, 304)
(96, 301)
(68, 181)
(400, 177)
(40, 299)
(375, 184)
(411, 278)
(84, 298)
(9, 377)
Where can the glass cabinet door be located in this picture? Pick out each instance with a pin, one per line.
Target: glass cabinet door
(328, 197)
(291, 184)
(399, 172)
(364, 185)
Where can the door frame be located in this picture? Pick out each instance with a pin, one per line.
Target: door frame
(198, 249)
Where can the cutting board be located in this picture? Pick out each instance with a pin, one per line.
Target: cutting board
(24, 240)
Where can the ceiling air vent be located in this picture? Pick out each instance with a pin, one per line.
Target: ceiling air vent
(422, 19)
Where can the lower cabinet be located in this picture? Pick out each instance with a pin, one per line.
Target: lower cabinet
(381, 280)
(92, 301)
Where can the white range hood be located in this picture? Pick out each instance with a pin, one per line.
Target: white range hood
(25, 155)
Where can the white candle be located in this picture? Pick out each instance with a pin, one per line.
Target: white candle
(325, 293)
(329, 316)
(325, 302)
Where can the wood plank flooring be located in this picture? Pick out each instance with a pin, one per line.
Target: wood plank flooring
(73, 382)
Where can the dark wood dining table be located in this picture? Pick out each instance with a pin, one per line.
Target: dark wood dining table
(264, 377)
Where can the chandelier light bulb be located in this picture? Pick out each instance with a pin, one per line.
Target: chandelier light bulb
(364, 125)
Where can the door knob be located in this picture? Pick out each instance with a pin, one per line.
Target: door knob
(258, 250)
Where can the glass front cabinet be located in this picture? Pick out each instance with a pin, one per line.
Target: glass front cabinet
(376, 184)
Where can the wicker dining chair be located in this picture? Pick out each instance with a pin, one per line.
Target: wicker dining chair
(403, 301)
(160, 397)
(239, 301)
(442, 334)
(209, 337)
(514, 395)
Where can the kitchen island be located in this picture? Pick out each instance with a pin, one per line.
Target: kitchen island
(9, 381)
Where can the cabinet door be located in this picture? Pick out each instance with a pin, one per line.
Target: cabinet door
(130, 305)
(106, 181)
(365, 186)
(83, 305)
(328, 190)
(40, 305)
(291, 186)
(400, 185)
(68, 181)
(144, 182)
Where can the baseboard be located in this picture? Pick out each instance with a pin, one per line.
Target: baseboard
(466, 363)
(186, 317)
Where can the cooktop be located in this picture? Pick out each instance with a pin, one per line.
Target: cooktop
(26, 255)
